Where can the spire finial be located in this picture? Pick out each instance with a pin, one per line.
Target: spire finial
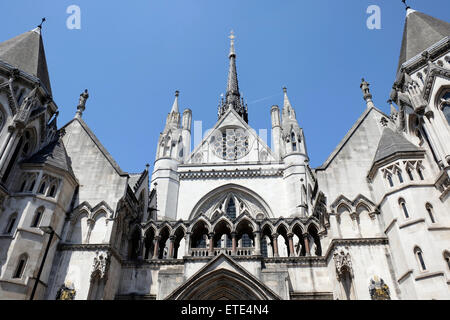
(284, 89)
(82, 103)
(175, 103)
(366, 93)
(406, 5)
(42, 22)
(232, 37)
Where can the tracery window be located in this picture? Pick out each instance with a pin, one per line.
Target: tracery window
(445, 105)
(230, 144)
(389, 178)
(231, 209)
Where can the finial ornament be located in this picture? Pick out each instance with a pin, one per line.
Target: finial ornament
(232, 36)
(284, 89)
(42, 22)
(406, 5)
(366, 93)
(82, 103)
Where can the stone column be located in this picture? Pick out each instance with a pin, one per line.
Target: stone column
(156, 250)
(211, 244)
(275, 244)
(291, 245)
(257, 235)
(5, 154)
(306, 240)
(5, 143)
(171, 246)
(233, 243)
(187, 244)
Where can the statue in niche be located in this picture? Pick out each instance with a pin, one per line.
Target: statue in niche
(378, 289)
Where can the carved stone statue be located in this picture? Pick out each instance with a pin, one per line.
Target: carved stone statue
(66, 292)
(343, 262)
(82, 103)
(378, 289)
(101, 264)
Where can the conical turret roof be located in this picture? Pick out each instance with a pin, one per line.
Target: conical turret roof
(26, 52)
(421, 32)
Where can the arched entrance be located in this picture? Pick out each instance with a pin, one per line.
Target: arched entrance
(222, 284)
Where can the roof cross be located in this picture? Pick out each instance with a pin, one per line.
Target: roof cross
(40, 26)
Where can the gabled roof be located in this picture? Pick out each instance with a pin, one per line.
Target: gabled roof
(98, 144)
(53, 154)
(349, 134)
(391, 143)
(226, 265)
(26, 52)
(421, 32)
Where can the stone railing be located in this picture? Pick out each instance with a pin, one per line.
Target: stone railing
(204, 252)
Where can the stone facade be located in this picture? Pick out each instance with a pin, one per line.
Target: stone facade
(233, 218)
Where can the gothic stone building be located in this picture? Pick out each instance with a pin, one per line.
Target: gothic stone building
(232, 218)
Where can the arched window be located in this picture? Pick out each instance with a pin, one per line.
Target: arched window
(399, 175)
(445, 105)
(26, 144)
(389, 178)
(447, 258)
(408, 170)
(419, 255)
(42, 187)
(37, 218)
(429, 208)
(52, 191)
(294, 143)
(419, 171)
(18, 273)
(11, 223)
(402, 204)
(22, 187)
(2, 118)
(231, 209)
(31, 187)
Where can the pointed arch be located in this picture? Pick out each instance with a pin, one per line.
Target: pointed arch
(216, 195)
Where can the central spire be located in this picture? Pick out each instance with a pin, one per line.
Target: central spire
(233, 96)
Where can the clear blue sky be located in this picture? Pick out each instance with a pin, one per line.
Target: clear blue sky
(133, 55)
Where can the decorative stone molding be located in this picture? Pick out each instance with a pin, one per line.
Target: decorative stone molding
(101, 265)
(213, 174)
(343, 262)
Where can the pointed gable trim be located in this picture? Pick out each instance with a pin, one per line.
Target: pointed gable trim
(99, 145)
(348, 136)
(208, 270)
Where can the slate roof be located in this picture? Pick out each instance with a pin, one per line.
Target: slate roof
(421, 32)
(391, 143)
(26, 52)
(53, 154)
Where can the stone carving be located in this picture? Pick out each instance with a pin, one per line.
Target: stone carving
(82, 102)
(230, 144)
(101, 265)
(378, 289)
(66, 292)
(343, 262)
(384, 122)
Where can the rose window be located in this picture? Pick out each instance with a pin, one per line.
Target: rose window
(230, 144)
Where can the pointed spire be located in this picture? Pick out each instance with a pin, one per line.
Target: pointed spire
(286, 103)
(175, 103)
(233, 96)
(421, 31)
(366, 92)
(26, 53)
(393, 109)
